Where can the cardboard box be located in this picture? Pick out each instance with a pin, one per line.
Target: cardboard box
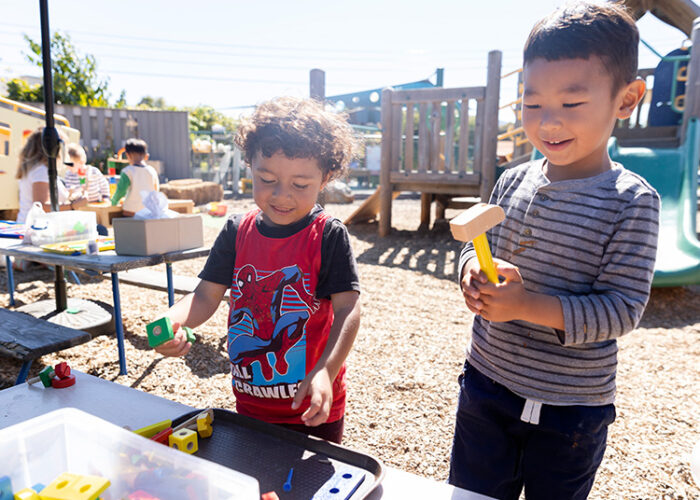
(156, 236)
(69, 440)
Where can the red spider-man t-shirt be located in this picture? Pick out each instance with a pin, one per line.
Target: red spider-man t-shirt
(277, 328)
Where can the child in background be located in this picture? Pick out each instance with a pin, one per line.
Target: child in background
(135, 178)
(95, 188)
(294, 288)
(576, 257)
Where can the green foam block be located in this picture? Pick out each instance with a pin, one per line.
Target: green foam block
(161, 331)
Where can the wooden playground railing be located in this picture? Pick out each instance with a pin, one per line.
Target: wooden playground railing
(439, 141)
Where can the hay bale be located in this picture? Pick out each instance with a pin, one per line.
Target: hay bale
(201, 192)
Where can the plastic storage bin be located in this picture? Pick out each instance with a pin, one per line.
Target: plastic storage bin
(57, 227)
(69, 440)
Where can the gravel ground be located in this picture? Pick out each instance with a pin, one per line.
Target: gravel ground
(402, 372)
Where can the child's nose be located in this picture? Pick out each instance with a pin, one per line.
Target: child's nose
(280, 190)
(550, 120)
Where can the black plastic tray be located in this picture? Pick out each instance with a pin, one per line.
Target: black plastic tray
(267, 452)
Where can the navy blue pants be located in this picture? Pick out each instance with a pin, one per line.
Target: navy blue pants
(497, 454)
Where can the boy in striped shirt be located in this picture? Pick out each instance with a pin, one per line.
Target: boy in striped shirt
(576, 257)
(95, 187)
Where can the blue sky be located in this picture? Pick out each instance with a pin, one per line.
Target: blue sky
(229, 54)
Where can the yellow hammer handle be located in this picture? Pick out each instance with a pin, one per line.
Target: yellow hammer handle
(483, 253)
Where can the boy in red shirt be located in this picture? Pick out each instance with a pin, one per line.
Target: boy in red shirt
(294, 307)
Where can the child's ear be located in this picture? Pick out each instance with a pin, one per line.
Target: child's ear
(632, 93)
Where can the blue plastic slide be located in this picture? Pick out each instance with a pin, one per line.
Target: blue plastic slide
(674, 174)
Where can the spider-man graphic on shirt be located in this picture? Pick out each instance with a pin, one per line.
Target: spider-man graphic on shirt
(277, 307)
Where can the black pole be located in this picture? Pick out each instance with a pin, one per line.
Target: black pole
(50, 140)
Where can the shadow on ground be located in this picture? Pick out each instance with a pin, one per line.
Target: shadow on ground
(673, 307)
(432, 252)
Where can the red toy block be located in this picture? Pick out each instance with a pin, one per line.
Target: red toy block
(62, 383)
(62, 370)
(270, 495)
(162, 436)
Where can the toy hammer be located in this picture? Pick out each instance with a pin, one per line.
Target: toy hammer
(471, 225)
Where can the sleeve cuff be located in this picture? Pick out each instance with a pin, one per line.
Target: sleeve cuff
(214, 278)
(467, 254)
(567, 336)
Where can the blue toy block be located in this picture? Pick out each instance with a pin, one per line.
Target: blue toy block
(6, 488)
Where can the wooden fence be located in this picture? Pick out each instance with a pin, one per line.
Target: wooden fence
(431, 144)
(107, 129)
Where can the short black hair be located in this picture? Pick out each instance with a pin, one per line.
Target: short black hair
(582, 29)
(137, 146)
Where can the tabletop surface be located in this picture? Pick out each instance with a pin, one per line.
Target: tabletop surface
(107, 261)
(125, 406)
(113, 402)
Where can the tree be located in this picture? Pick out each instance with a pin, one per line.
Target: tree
(20, 90)
(121, 102)
(75, 79)
(204, 117)
(150, 102)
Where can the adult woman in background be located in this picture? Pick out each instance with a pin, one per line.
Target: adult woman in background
(33, 175)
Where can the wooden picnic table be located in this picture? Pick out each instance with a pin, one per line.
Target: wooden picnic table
(108, 262)
(24, 337)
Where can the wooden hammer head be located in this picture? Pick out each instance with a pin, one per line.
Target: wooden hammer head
(475, 221)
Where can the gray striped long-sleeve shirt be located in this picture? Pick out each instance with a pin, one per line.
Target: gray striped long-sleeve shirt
(590, 242)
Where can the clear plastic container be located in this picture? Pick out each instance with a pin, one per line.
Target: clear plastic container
(69, 440)
(57, 227)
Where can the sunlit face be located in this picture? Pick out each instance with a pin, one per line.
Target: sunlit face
(286, 189)
(569, 113)
(77, 163)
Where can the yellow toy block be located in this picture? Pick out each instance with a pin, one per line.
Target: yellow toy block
(151, 430)
(204, 425)
(27, 494)
(69, 486)
(184, 440)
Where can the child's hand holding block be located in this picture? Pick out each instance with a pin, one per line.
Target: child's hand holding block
(161, 331)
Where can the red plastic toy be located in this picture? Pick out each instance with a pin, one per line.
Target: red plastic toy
(62, 383)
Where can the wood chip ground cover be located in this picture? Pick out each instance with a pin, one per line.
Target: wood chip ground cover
(402, 372)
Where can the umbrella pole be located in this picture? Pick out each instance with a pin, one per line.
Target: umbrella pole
(50, 140)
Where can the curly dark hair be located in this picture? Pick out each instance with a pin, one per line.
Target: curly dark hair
(298, 128)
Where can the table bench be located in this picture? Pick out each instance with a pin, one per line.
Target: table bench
(107, 261)
(155, 280)
(26, 338)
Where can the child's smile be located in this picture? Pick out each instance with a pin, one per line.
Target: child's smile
(286, 189)
(557, 145)
(569, 111)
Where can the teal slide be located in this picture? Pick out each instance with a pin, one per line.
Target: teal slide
(674, 174)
